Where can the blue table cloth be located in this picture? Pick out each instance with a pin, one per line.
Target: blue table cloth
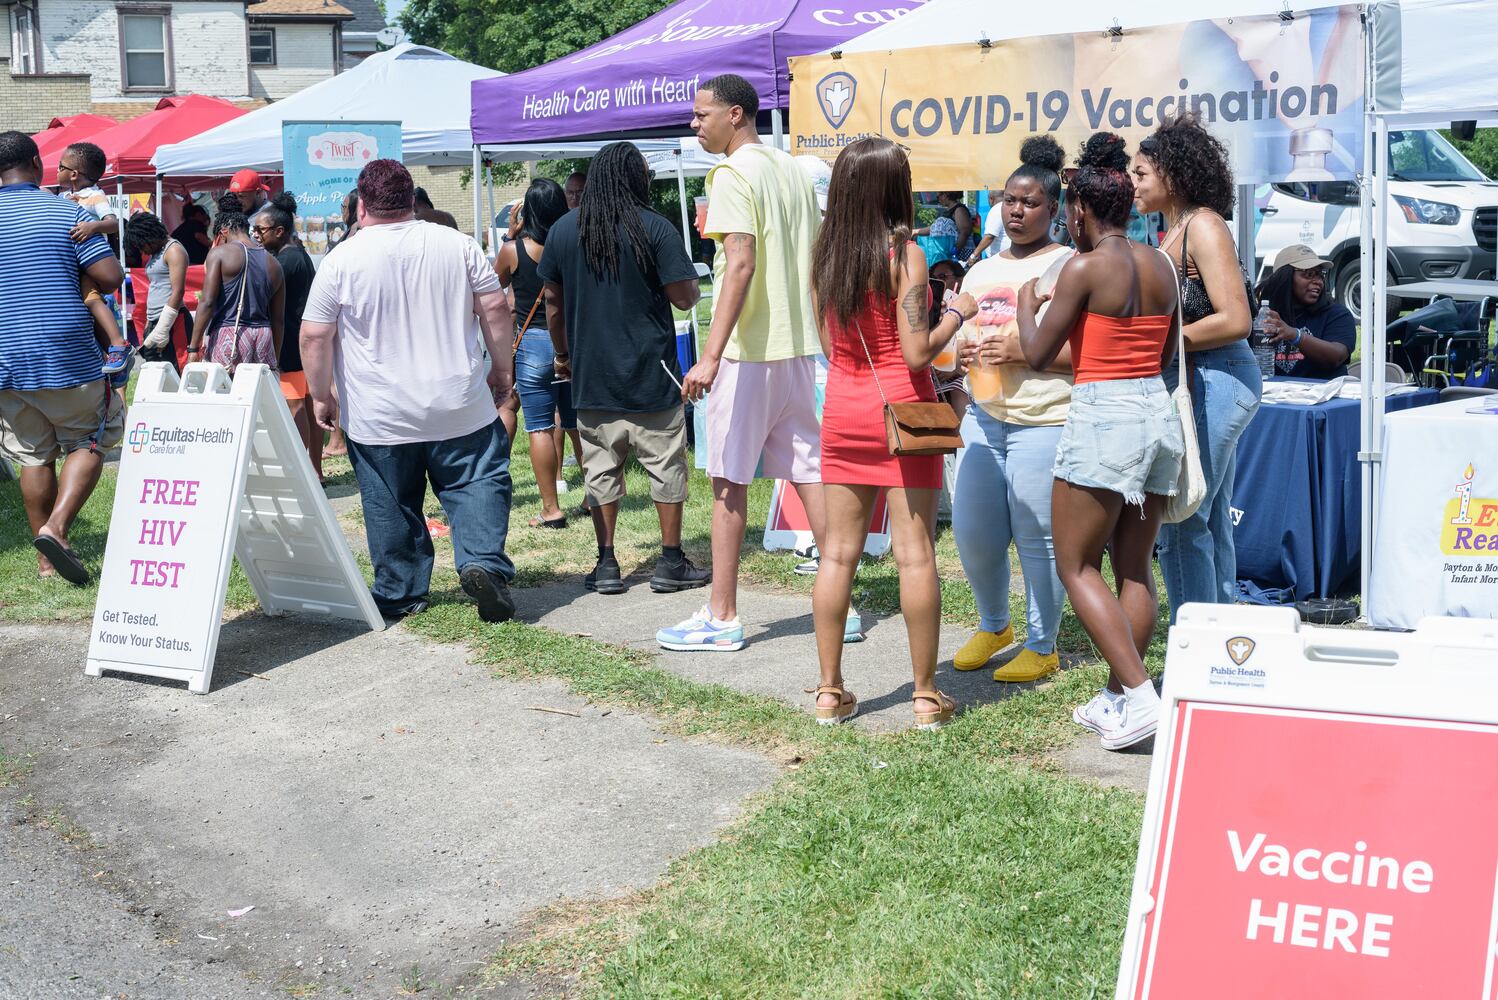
(1298, 494)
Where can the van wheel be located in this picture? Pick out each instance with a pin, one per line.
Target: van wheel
(1348, 290)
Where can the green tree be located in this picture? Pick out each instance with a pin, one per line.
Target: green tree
(1482, 149)
(512, 35)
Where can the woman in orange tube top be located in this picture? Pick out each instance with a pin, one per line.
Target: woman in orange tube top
(1121, 448)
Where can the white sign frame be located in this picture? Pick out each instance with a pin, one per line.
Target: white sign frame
(284, 519)
(1296, 667)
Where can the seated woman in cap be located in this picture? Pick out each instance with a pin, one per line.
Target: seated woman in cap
(1313, 334)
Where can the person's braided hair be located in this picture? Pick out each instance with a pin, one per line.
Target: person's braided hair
(618, 187)
(1193, 163)
(141, 230)
(230, 222)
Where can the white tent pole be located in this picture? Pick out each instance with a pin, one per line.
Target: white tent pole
(1245, 220)
(681, 196)
(119, 190)
(489, 218)
(1373, 359)
(1366, 209)
(777, 132)
(160, 211)
(686, 231)
(478, 205)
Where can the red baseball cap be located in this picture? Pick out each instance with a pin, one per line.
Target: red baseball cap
(246, 180)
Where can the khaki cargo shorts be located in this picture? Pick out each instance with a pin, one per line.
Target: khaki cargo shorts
(39, 426)
(659, 441)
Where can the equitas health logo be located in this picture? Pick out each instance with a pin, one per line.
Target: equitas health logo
(140, 436)
(1469, 526)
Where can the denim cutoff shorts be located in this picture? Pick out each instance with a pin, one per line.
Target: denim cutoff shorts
(541, 396)
(1123, 436)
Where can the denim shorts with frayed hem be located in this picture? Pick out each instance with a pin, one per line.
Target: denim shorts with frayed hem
(1122, 436)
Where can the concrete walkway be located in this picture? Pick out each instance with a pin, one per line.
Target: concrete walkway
(380, 802)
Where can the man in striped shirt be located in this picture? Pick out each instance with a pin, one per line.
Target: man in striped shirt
(54, 402)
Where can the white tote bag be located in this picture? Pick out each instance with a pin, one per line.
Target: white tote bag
(1191, 483)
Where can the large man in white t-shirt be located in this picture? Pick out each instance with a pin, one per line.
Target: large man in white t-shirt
(405, 301)
(760, 356)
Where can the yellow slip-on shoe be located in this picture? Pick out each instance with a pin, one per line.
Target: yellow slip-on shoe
(1028, 666)
(978, 650)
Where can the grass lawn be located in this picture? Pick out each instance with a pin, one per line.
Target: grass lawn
(956, 864)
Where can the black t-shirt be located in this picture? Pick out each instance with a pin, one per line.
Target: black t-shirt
(187, 234)
(297, 273)
(620, 329)
(1335, 324)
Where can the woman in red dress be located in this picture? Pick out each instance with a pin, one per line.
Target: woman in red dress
(873, 306)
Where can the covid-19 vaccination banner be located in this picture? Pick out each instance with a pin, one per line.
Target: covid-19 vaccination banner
(1285, 95)
(323, 160)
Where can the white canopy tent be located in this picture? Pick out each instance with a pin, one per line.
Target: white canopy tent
(1430, 63)
(951, 22)
(425, 89)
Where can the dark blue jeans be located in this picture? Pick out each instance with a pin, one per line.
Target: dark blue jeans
(471, 477)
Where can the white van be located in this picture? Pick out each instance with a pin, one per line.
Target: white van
(1443, 222)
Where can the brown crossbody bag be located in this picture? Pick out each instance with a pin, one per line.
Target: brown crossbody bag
(914, 428)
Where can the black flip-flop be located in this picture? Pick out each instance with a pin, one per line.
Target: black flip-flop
(555, 523)
(63, 559)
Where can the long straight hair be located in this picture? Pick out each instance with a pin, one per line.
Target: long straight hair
(870, 207)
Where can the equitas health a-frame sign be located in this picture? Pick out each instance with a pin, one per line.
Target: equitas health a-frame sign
(1320, 815)
(210, 470)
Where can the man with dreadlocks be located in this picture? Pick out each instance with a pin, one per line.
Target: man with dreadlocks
(613, 269)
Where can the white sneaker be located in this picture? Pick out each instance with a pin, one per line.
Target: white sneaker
(1134, 722)
(1098, 713)
(812, 558)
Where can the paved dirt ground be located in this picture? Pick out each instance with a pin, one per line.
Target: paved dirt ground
(383, 805)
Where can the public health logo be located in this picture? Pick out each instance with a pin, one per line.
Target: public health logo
(140, 436)
(1469, 524)
(1240, 648)
(835, 93)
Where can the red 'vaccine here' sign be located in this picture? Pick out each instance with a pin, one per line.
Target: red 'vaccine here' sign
(1327, 855)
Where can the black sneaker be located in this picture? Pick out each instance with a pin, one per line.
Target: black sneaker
(605, 578)
(490, 592)
(673, 576)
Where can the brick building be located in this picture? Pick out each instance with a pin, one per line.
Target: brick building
(119, 57)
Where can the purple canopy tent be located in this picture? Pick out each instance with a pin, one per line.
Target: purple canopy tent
(641, 82)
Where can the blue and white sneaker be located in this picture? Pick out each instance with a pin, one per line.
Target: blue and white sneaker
(703, 633)
(853, 627)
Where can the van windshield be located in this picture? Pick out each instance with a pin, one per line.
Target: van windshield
(1423, 155)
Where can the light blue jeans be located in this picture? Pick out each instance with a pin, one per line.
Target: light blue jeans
(1003, 494)
(1196, 556)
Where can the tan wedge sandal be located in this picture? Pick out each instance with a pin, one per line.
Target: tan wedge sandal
(841, 712)
(934, 720)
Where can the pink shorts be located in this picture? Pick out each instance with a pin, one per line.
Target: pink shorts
(764, 409)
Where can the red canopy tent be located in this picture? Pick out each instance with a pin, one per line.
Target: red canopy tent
(62, 133)
(130, 145)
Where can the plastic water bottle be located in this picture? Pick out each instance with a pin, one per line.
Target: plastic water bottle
(1259, 341)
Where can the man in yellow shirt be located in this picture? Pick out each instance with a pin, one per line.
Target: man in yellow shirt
(760, 357)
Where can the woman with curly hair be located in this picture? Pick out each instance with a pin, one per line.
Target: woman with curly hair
(1182, 171)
